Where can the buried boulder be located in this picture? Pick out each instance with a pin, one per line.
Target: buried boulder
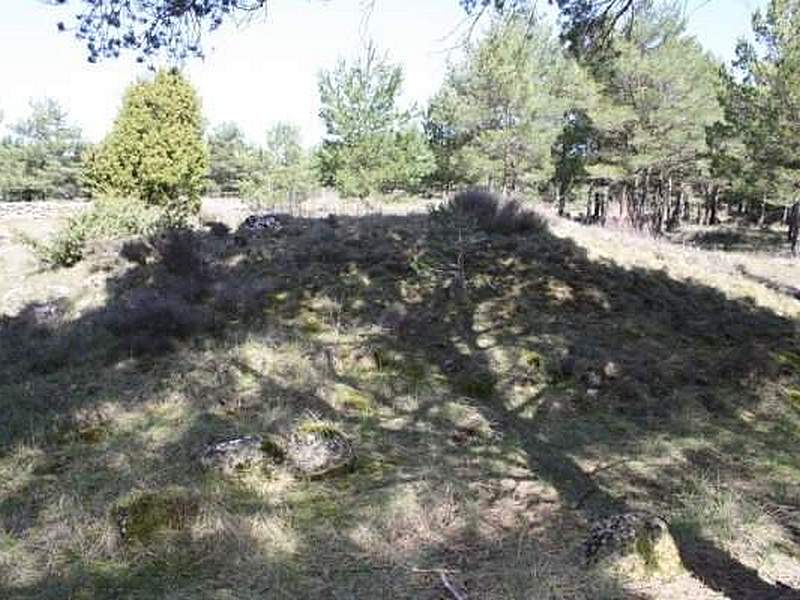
(633, 545)
(233, 455)
(318, 449)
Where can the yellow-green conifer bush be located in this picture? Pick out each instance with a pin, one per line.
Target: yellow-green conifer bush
(155, 151)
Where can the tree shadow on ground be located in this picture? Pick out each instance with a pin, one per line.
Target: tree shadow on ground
(721, 572)
(736, 238)
(576, 365)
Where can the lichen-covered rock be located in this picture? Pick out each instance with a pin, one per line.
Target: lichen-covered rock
(234, 455)
(141, 516)
(635, 545)
(317, 449)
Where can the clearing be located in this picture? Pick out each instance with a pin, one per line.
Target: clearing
(500, 391)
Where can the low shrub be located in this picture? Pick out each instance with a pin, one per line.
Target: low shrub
(512, 218)
(492, 214)
(180, 253)
(149, 320)
(242, 298)
(107, 219)
(483, 206)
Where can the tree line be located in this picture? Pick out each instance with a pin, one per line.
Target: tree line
(630, 118)
(652, 131)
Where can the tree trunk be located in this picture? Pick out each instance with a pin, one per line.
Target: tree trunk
(559, 201)
(794, 226)
(714, 203)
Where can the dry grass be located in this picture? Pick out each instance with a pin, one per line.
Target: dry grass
(582, 372)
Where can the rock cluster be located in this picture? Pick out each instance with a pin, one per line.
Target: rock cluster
(266, 222)
(313, 449)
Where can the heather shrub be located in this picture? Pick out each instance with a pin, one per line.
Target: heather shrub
(488, 212)
(149, 320)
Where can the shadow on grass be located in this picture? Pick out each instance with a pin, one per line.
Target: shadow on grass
(611, 359)
(737, 238)
(721, 572)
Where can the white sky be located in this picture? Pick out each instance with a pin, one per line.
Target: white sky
(267, 71)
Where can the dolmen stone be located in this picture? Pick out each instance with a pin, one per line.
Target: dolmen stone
(233, 455)
(635, 545)
(317, 450)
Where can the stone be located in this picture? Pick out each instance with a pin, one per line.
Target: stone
(233, 455)
(265, 222)
(634, 545)
(611, 370)
(316, 449)
(592, 379)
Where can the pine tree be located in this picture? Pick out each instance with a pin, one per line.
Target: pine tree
(231, 160)
(500, 110)
(42, 156)
(366, 132)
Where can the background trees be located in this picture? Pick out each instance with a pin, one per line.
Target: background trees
(499, 110)
(283, 171)
(758, 140)
(664, 85)
(623, 107)
(231, 160)
(41, 157)
(155, 150)
(370, 143)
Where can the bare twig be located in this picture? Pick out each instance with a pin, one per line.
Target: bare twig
(437, 571)
(446, 583)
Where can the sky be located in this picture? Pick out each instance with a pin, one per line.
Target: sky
(267, 70)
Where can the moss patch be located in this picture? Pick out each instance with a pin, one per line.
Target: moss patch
(143, 515)
(349, 398)
(318, 427)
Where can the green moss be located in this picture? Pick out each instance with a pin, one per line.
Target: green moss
(350, 398)
(7, 542)
(790, 360)
(310, 324)
(143, 515)
(279, 298)
(312, 507)
(534, 364)
(93, 434)
(318, 426)
(644, 548)
(793, 394)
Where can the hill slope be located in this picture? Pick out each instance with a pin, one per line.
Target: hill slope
(501, 390)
